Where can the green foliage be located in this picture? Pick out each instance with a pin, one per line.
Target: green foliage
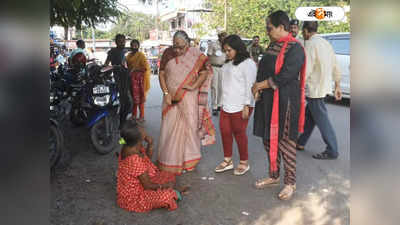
(135, 25)
(200, 29)
(87, 34)
(247, 17)
(76, 13)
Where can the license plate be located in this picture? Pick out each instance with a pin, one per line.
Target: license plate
(101, 89)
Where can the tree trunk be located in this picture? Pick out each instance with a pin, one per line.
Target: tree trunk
(66, 33)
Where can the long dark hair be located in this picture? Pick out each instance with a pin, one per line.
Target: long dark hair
(235, 42)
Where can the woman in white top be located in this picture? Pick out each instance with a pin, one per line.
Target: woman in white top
(239, 74)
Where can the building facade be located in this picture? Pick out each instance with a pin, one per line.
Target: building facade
(183, 15)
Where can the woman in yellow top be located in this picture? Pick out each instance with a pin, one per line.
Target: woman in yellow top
(139, 70)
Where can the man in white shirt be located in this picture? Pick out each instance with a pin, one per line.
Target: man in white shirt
(217, 59)
(322, 68)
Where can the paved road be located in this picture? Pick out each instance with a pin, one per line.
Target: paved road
(84, 193)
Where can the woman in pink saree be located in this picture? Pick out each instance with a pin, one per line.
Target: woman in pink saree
(186, 123)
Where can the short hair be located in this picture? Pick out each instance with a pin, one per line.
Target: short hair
(256, 36)
(294, 22)
(182, 35)
(279, 18)
(130, 133)
(135, 41)
(222, 34)
(311, 26)
(80, 42)
(235, 42)
(118, 36)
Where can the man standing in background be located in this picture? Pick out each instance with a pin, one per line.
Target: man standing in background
(117, 55)
(294, 27)
(322, 68)
(80, 44)
(217, 59)
(255, 49)
(117, 58)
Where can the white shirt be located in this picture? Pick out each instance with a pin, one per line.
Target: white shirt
(322, 67)
(236, 85)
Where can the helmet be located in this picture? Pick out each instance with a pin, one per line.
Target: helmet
(79, 60)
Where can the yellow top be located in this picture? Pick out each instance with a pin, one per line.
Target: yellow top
(138, 61)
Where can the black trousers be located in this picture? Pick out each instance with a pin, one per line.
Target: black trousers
(124, 84)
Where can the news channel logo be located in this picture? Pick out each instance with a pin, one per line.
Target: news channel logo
(320, 13)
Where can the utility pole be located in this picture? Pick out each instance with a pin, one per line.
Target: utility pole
(94, 39)
(157, 20)
(225, 16)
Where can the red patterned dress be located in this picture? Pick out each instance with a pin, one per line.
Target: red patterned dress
(130, 193)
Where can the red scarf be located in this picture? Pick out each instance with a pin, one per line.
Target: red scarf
(274, 129)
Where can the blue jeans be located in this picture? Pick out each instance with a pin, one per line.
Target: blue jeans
(317, 114)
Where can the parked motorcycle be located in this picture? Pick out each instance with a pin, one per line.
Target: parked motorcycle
(76, 81)
(57, 112)
(103, 115)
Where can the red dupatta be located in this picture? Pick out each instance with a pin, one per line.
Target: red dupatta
(274, 128)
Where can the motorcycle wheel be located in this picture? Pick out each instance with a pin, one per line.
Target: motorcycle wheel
(102, 142)
(55, 145)
(77, 117)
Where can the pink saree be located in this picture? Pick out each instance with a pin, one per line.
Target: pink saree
(186, 125)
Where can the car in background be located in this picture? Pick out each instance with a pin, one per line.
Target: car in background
(341, 45)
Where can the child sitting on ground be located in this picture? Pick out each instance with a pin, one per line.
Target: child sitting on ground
(141, 186)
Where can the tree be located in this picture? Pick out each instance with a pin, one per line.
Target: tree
(77, 13)
(247, 17)
(99, 34)
(136, 25)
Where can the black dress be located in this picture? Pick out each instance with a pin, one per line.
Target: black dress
(288, 83)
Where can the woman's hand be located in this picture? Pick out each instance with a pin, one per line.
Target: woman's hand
(257, 96)
(245, 112)
(168, 99)
(255, 89)
(188, 87)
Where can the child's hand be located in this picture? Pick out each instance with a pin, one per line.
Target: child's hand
(148, 139)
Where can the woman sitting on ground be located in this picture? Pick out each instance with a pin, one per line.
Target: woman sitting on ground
(141, 186)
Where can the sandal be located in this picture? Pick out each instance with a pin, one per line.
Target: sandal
(324, 155)
(299, 147)
(224, 166)
(287, 192)
(242, 168)
(266, 182)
